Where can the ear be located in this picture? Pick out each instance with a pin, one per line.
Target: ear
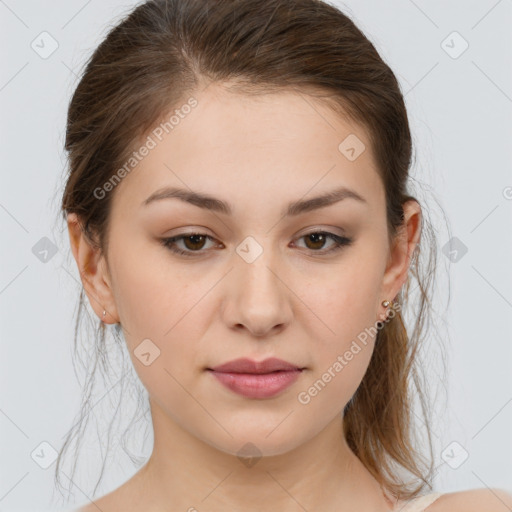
(93, 271)
(400, 255)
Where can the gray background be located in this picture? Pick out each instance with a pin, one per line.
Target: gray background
(460, 111)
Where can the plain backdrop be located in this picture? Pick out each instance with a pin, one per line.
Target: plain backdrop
(453, 61)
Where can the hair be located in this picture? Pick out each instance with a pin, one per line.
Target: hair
(162, 52)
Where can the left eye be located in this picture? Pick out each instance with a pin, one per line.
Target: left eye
(194, 242)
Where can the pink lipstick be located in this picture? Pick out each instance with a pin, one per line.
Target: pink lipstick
(254, 379)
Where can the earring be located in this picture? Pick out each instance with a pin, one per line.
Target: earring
(386, 304)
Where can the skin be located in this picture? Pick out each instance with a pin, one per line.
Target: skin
(291, 302)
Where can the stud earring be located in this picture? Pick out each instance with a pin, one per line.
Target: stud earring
(386, 304)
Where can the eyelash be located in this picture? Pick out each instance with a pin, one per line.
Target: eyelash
(340, 242)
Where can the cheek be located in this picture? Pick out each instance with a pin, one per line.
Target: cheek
(339, 365)
(151, 294)
(159, 307)
(157, 319)
(343, 330)
(345, 303)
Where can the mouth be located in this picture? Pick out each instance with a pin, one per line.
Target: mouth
(259, 380)
(245, 365)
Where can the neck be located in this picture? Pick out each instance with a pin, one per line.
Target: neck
(185, 473)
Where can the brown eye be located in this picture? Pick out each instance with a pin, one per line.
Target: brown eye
(193, 242)
(315, 241)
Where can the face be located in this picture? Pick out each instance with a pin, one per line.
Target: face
(254, 278)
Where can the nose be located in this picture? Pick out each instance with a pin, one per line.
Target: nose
(259, 299)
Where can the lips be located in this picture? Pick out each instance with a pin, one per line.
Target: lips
(253, 379)
(245, 365)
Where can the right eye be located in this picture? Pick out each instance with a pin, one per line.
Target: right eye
(194, 242)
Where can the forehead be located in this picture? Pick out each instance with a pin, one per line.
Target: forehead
(286, 142)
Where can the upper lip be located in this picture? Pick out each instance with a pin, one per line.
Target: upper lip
(245, 365)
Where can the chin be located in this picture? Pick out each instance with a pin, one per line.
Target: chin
(255, 443)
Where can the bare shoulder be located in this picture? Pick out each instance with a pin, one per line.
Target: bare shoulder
(474, 500)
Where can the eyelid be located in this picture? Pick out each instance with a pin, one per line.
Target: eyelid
(327, 229)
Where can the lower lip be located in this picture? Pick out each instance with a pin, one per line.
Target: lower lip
(252, 385)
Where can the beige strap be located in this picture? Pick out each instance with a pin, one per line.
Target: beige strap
(421, 503)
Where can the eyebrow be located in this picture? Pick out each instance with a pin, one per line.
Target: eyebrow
(211, 203)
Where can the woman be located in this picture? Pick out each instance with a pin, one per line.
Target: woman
(237, 206)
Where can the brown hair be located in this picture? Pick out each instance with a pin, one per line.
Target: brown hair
(162, 52)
